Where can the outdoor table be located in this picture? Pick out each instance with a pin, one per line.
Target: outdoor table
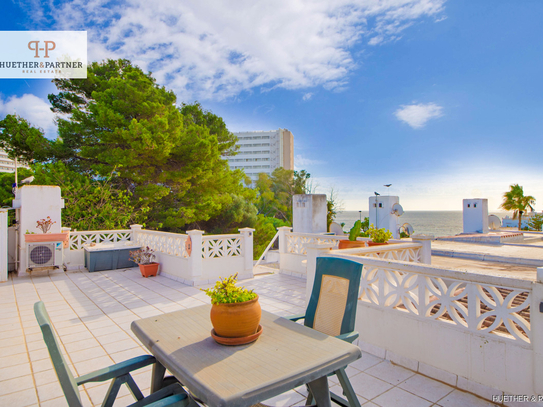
(285, 356)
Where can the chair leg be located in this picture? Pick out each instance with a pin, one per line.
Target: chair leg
(136, 392)
(348, 390)
(309, 400)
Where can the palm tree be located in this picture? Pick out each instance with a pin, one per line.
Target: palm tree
(514, 200)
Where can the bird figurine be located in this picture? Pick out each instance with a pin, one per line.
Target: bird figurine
(28, 180)
(387, 185)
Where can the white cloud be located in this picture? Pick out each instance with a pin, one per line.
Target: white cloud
(35, 110)
(416, 115)
(307, 96)
(301, 162)
(217, 49)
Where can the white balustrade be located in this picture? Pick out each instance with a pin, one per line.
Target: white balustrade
(296, 242)
(78, 239)
(217, 246)
(474, 305)
(173, 244)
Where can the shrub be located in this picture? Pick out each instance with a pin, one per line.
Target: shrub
(226, 292)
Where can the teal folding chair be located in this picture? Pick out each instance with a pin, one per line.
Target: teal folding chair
(332, 310)
(171, 395)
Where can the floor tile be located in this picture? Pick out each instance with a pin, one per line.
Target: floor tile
(389, 373)
(368, 386)
(397, 397)
(425, 387)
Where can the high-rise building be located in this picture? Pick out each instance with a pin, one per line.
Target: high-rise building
(7, 164)
(263, 151)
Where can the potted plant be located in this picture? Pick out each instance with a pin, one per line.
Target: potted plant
(353, 234)
(379, 236)
(144, 259)
(235, 312)
(45, 225)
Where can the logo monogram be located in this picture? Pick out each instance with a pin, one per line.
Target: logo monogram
(49, 46)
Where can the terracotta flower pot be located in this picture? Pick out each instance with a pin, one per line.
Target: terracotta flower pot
(370, 243)
(236, 320)
(148, 270)
(349, 244)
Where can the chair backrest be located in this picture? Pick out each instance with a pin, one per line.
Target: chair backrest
(65, 377)
(333, 301)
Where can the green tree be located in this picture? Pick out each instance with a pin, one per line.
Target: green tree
(515, 200)
(536, 221)
(276, 192)
(333, 206)
(118, 124)
(20, 140)
(265, 230)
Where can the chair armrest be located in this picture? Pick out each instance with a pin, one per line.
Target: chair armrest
(296, 317)
(348, 337)
(173, 394)
(119, 369)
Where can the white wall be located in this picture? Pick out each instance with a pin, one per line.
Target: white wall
(475, 215)
(381, 216)
(309, 213)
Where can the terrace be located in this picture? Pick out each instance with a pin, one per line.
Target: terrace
(430, 335)
(92, 313)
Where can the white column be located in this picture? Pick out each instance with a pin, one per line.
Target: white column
(313, 251)
(135, 229)
(426, 241)
(3, 245)
(283, 244)
(247, 237)
(195, 259)
(536, 328)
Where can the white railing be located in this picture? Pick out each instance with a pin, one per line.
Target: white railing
(475, 302)
(173, 244)
(78, 239)
(218, 246)
(296, 241)
(411, 252)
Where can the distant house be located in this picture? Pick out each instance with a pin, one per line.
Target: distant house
(263, 151)
(508, 222)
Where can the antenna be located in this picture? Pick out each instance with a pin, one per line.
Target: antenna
(494, 222)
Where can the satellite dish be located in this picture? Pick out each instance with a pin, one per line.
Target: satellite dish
(494, 222)
(407, 229)
(397, 209)
(336, 229)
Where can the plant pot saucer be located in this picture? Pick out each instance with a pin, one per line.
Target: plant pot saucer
(242, 340)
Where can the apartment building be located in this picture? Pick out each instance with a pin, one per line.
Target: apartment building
(7, 164)
(263, 151)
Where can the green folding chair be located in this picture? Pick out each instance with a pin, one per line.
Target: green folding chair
(171, 395)
(332, 310)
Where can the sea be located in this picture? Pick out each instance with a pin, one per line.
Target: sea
(437, 223)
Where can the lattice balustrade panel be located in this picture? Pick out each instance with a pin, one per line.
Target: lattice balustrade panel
(478, 307)
(167, 243)
(412, 255)
(221, 247)
(78, 239)
(295, 243)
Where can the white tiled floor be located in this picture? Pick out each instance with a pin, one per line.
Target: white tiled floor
(92, 313)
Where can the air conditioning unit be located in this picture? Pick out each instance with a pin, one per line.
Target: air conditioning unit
(50, 254)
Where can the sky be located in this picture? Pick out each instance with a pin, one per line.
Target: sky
(441, 99)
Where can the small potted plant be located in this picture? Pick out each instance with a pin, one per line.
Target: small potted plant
(144, 258)
(353, 234)
(45, 225)
(235, 312)
(379, 236)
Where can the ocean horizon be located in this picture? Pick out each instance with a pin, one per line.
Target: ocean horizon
(437, 223)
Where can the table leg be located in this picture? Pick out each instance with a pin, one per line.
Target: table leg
(157, 377)
(321, 392)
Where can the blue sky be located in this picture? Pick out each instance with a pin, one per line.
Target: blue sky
(443, 99)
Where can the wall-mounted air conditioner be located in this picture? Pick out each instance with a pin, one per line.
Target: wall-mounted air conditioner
(44, 254)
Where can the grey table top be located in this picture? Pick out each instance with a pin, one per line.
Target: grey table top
(285, 356)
